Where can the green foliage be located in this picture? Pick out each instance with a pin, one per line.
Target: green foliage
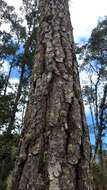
(94, 52)
(6, 104)
(100, 180)
(8, 152)
(9, 182)
(7, 45)
(2, 82)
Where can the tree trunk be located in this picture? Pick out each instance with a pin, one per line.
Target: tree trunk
(13, 114)
(7, 80)
(54, 146)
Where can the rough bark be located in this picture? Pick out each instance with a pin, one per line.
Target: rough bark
(54, 146)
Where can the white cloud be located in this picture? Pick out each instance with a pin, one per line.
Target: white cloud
(5, 27)
(15, 3)
(85, 14)
(5, 68)
(84, 79)
(14, 85)
(14, 81)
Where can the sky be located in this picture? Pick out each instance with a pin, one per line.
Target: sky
(84, 15)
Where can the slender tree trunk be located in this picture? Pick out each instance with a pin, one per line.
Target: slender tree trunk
(92, 118)
(12, 118)
(25, 61)
(7, 80)
(101, 157)
(101, 124)
(54, 146)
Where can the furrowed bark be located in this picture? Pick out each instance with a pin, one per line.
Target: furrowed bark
(54, 146)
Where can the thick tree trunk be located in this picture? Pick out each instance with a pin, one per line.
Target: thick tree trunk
(54, 146)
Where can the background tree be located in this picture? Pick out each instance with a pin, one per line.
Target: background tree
(94, 55)
(16, 50)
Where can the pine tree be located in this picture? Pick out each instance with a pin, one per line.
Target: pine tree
(54, 146)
